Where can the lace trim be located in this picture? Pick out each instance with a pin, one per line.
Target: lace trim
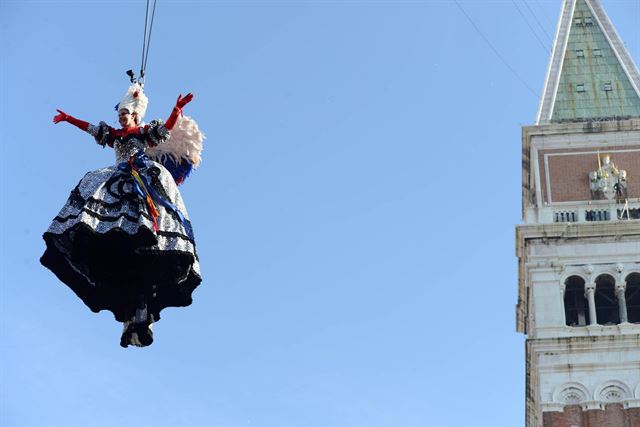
(128, 205)
(156, 132)
(100, 133)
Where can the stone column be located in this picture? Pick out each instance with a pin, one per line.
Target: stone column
(622, 303)
(621, 287)
(591, 298)
(564, 312)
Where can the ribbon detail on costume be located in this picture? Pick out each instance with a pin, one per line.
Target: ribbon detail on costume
(134, 165)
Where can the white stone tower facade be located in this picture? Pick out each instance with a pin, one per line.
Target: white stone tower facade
(579, 245)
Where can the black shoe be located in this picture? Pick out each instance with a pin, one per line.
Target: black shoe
(125, 339)
(145, 334)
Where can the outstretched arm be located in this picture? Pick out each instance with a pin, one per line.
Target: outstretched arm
(64, 117)
(102, 133)
(177, 110)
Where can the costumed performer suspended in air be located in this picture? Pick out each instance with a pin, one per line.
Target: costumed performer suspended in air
(123, 241)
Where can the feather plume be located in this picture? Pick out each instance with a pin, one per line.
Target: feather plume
(183, 149)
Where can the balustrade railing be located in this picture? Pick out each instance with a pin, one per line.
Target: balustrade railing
(585, 213)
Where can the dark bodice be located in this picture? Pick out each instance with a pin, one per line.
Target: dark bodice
(127, 142)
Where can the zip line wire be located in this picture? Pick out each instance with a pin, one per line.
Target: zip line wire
(546, 15)
(146, 40)
(515, 73)
(526, 21)
(537, 21)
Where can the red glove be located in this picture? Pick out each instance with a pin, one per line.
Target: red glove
(181, 102)
(177, 110)
(64, 117)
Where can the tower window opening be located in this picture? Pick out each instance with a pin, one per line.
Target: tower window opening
(607, 311)
(580, 87)
(565, 216)
(580, 53)
(576, 308)
(608, 87)
(578, 21)
(588, 20)
(633, 213)
(597, 215)
(632, 297)
(597, 53)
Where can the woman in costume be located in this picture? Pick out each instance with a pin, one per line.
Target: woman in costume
(123, 241)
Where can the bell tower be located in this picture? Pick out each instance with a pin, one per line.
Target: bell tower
(578, 246)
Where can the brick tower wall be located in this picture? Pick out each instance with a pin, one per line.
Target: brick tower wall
(614, 415)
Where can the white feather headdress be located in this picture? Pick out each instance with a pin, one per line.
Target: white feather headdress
(135, 100)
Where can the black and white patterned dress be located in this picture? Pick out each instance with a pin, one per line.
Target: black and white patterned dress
(104, 245)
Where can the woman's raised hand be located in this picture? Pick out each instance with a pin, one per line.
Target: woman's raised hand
(177, 110)
(62, 117)
(181, 102)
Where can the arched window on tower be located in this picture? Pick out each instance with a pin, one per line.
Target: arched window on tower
(576, 308)
(632, 296)
(607, 312)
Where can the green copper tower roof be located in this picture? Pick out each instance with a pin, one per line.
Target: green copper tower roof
(591, 75)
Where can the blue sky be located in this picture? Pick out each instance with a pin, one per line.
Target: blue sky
(354, 211)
